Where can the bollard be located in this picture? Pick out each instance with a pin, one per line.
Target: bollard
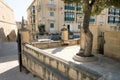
(25, 36)
(65, 36)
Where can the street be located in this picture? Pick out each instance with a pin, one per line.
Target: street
(9, 69)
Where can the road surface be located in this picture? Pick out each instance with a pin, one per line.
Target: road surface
(9, 69)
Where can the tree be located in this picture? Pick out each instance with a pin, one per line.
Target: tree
(91, 7)
(41, 29)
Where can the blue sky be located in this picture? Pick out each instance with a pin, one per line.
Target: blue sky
(19, 7)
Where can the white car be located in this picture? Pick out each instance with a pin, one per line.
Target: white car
(44, 40)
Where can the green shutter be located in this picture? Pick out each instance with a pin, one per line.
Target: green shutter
(51, 25)
(79, 26)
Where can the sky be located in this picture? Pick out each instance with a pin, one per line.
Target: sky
(19, 7)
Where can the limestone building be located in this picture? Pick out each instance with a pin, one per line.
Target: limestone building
(55, 14)
(8, 27)
(108, 20)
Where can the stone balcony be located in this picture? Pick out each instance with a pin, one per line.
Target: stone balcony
(51, 6)
(38, 8)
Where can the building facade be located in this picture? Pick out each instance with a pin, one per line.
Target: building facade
(55, 15)
(7, 22)
(107, 20)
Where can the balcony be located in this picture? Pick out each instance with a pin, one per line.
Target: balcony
(38, 7)
(78, 9)
(117, 14)
(111, 13)
(51, 6)
(69, 19)
(32, 12)
(69, 7)
(51, 19)
(111, 21)
(92, 20)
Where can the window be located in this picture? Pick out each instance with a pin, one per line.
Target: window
(51, 1)
(69, 16)
(79, 7)
(32, 10)
(116, 19)
(114, 11)
(51, 25)
(79, 26)
(92, 19)
(110, 19)
(51, 14)
(69, 6)
(111, 11)
(117, 12)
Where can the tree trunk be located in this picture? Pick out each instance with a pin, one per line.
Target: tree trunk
(87, 34)
(82, 41)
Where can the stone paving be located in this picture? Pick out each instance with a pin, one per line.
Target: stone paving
(9, 69)
(108, 68)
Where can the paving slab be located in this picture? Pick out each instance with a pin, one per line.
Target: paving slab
(108, 68)
(9, 69)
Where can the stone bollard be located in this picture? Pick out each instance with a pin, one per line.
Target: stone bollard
(25, 36)
(65, 36)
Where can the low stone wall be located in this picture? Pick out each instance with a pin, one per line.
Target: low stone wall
(43, 45)
(49, 67)
(112, 45)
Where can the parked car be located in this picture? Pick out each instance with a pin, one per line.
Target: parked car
(55, 37)
(76, 36)
(44, 40)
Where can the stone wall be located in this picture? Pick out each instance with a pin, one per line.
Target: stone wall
(49, 67)
(43, 45)
(112, 45)
(94, 30)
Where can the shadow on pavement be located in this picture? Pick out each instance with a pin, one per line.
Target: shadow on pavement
(57, 50)
(8, 48)
(8, 58)
(14, 74)
(8, 51)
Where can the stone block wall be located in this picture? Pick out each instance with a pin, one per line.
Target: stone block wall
(49, 67)
(43, 45)
(112, 45)
(94, 30)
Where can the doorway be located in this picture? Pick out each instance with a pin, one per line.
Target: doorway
(101, 42)
(68, 27)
